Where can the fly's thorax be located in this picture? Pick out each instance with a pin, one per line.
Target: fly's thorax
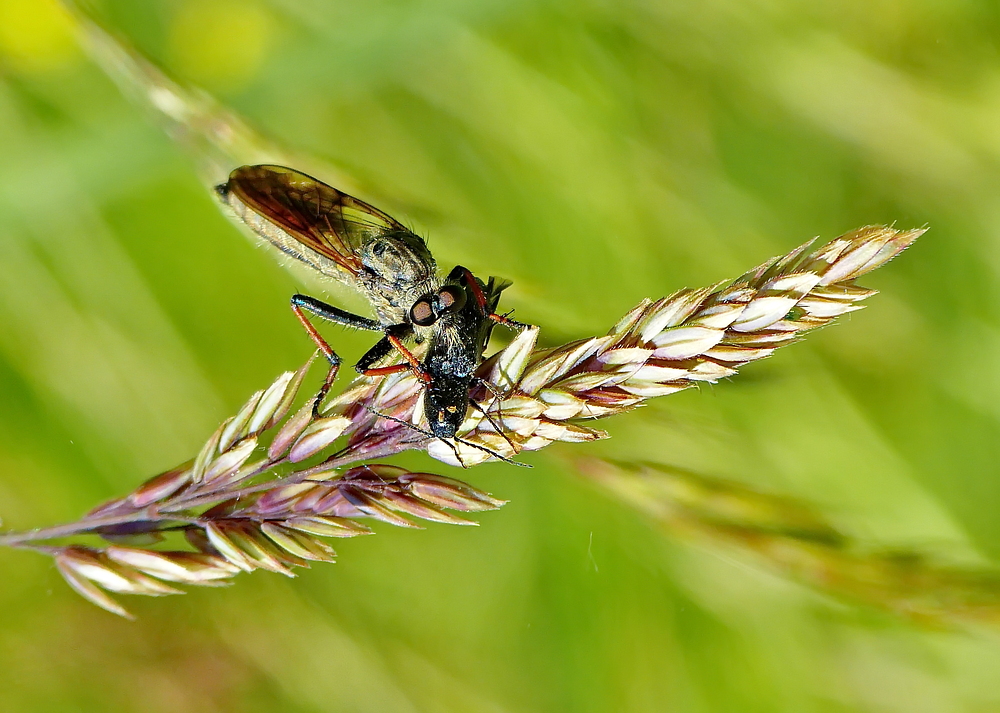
(398, 270)
(400, 259)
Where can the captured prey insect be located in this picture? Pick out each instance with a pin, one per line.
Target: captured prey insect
(351, 241)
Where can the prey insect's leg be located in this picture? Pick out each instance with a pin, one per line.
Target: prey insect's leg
(329, 312)
(419, 430)
(508, 322)
(477, 293)
(498, 396)
(448, 443)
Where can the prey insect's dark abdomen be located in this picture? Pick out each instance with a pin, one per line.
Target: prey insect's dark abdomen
(453, 358)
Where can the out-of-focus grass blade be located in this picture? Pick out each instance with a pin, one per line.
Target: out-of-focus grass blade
(217, 137)
(791, 538)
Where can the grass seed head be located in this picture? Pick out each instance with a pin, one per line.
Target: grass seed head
(243, 505)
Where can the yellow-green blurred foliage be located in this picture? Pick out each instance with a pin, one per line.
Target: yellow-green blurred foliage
(596, 153)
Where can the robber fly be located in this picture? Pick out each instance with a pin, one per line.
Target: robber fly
(349, 240)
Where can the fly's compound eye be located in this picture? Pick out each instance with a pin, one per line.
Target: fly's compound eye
(422, 313)
(451, 298)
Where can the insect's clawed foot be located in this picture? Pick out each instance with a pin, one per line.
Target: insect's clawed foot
(320, 396)
(506, 321)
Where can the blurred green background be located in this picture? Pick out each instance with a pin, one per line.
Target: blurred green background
(595, 153)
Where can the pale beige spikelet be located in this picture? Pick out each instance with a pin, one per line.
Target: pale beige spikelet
(236, 440)
(92, 573)
(181, 567)
(317, 436)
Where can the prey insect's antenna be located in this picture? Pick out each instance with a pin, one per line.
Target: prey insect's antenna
(418, 430)
(493, 423)
(498, 397)
(487, 450)
(447, 443)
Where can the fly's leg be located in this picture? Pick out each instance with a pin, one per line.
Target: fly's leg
(386, 370)
(332, 314)
(411, 360)
(392, 341)
(383, 348)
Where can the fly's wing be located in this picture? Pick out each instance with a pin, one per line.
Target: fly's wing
(305, 218)
(494, 287)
